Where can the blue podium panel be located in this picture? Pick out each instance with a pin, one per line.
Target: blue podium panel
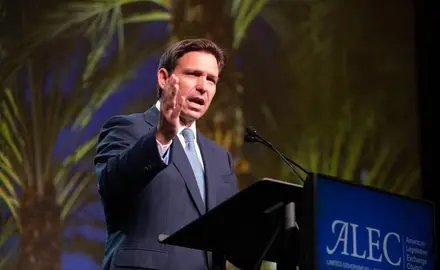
(362, 228)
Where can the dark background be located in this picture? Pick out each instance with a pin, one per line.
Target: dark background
(428, 85)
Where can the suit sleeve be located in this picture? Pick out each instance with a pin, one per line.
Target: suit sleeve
(125, 161)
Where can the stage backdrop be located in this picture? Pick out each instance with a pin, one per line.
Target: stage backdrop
(331, 83)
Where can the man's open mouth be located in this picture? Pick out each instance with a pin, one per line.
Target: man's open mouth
(197, 100)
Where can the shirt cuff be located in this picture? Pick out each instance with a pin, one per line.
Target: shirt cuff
(163, 149)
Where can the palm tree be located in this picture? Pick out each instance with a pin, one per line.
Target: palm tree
(66, 60)
(352, 93)
(52, 82)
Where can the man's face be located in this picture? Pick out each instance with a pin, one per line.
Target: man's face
(197, 73)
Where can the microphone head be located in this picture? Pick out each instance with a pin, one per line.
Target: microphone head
(251, 131)
(249, 139)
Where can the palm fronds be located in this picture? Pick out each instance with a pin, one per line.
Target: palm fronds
(55, 81)
(353, 151)
(244, 11)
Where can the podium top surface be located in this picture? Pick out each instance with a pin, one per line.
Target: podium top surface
(239, 222)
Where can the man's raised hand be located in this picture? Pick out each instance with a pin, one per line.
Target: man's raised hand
(170, 108)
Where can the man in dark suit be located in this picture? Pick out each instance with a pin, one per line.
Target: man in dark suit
(156, 173)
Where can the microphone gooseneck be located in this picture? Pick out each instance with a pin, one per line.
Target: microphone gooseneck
(252, 136)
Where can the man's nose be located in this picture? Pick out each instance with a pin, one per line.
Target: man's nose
(201, 84)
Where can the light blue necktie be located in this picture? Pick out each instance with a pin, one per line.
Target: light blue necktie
(190, 150)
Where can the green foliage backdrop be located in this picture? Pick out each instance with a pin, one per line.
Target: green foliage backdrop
(330, 82)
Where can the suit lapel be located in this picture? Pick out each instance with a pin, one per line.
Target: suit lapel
(210, 174)
(179, 159)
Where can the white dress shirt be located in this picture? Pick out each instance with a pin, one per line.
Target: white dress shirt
(163, 149)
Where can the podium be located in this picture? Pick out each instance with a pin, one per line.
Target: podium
(328, 223)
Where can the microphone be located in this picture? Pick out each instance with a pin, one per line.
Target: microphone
(252, 136)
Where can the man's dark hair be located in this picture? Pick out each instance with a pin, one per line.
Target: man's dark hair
(173, 53)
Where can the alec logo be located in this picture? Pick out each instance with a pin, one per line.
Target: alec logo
(388, 250)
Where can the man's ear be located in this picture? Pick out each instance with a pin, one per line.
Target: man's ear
(162, 76)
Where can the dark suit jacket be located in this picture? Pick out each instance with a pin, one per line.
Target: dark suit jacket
(143, 197)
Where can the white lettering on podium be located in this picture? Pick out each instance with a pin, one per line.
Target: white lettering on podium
(371, 244)
(343, 234)
(377, 247)
(385, 248)
(354, 233)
